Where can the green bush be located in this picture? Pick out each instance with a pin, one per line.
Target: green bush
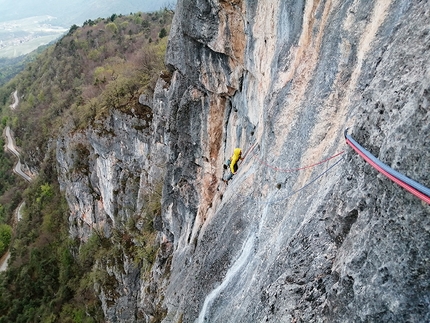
(162, 33)
(5, 237)
(112, 27)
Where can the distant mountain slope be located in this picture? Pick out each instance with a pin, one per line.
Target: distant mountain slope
(75, 11)
(9, 67)
(91, 76)
(104, 53)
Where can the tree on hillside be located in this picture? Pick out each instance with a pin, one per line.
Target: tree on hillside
(112, 27)
(72, 30)
(5, 236)
(163, 33)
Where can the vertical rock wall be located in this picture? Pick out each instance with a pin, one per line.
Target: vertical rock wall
(290, 76)
(335, 242)
(106, 172)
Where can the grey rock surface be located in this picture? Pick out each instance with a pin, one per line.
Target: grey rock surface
(105, 172)
(277, 246)
(332, 242)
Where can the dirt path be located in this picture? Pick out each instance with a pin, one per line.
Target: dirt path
(3, 261)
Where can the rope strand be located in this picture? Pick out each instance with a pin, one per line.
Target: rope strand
(408, 184)
(307, 184)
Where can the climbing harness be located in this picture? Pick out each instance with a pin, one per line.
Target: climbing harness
(410, 185)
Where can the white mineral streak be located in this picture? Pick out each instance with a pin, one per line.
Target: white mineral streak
(105, 171)
(234, 271)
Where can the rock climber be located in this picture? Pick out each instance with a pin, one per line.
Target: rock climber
(237, 155)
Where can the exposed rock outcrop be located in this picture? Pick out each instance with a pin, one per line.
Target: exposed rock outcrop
(291, 76)
(336, 242)
(106, 173)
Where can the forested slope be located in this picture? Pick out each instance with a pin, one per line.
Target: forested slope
(95, 69)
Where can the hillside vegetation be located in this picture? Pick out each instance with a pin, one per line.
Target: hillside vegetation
(104, 65)
(9, 67)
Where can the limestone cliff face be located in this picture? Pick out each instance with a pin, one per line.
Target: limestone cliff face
(106, 172)
(335, 242)
(291, 76)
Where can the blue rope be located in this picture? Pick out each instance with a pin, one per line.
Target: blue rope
(388, 169)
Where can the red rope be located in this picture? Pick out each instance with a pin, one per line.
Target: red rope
(283, 170)
(249, 150)
(407, 187)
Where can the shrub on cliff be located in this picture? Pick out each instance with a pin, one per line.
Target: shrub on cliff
(162, 33)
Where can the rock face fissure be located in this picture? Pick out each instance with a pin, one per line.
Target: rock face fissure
(289, 77)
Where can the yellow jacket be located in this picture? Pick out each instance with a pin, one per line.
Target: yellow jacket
(235, 158)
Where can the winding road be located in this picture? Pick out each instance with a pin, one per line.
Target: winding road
(10, 142)
(11, 147)
(3, 261)
(17, 169)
